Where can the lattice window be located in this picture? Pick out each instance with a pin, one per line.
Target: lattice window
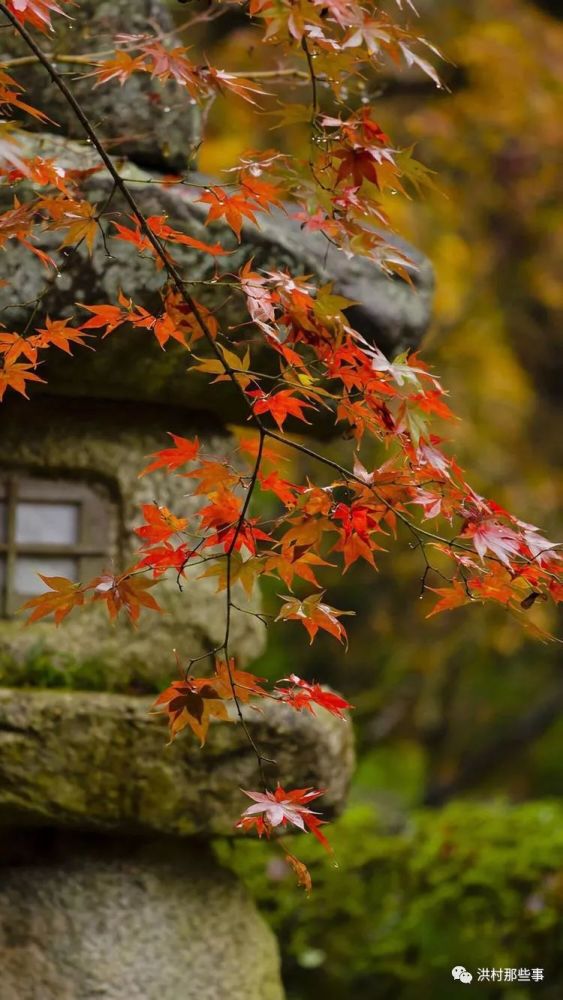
(57, 528)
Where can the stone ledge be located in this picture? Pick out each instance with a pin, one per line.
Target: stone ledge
(99, 762)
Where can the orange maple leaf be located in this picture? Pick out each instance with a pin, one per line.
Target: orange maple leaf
(14, 376)
(233, 207)
(57, 333)
(124, 593)
(314, 615)
(450, 597)
(229, 681)
(172, 459)
(60, 600)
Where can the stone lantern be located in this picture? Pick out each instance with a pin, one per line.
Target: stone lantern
(108, 885)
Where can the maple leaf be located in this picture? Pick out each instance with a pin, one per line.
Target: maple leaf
(212, 475)
(359, 522)
(170, 63)
(283, 808)
(161, 558)
(106, 316)
(229, 681)
(57, 333)
(193, 702)
(287, 492)
(295, 560)
(222, 80)
(172, 459)
(157, 224)
(303, 695)
(80, 219)
(232, 207)
(450, 597)
(223, 509)
(14, 346)
(14, 376)
(413, 59)
(36, 12)
(120, 66)
(64, 595)
(314, 615)
(489, 534)
(241, 570)
(160, 525)
(358, 164)
(234, 537)
(261, 191)
(10, 97)
(164, 326)
(280, 405)
(124, 593)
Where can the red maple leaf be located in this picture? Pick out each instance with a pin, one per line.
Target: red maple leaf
(280, 405)
(303, 695)
(283, 808)
(192, 702)
(161, 558)
(160, 525)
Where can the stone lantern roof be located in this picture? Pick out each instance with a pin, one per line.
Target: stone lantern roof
(128, 365)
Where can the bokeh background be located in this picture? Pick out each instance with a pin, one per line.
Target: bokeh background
(451, 851)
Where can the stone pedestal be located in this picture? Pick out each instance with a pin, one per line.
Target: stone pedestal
(108, 888)
(89, 918)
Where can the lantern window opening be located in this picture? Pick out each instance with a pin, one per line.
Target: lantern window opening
(53, 527)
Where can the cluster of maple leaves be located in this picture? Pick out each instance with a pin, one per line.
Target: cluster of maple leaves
(317, 366)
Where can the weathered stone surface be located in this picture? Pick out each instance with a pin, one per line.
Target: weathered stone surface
(98, 761)
(156, 124)
(105, 445)
(129, 364)
(130, 923)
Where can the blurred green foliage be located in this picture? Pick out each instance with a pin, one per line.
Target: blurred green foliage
(474, 885)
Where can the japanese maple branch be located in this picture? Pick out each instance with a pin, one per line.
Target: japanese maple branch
(179, 284)
(168, 265)
(242, 517)
(415, 529)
